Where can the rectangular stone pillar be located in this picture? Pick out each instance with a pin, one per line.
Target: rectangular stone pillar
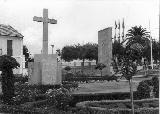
(105, 49)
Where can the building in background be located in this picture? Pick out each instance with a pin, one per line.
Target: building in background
(11, 43)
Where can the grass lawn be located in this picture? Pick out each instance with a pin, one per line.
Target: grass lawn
(107, 87)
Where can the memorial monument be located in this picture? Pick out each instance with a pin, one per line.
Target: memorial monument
(45, 69)
(105, 49)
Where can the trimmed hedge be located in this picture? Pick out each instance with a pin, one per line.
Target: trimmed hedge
(51, 110)
(95, 109)
(101, 96)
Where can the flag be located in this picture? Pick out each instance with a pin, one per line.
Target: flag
(119, 25)
(115, 25)
(123, 24)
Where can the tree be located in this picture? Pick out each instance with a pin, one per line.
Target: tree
(137, 41)
(117, 51)
(138, 35)
(100, 66)
(129, 67)
(91, 51)
(87, 51)
(7, 63)
(155, 49)
(27, 56)
(69, 53)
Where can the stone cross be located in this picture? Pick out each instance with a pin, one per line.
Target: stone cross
(45, 21)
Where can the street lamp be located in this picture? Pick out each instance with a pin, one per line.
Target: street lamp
(52, 48)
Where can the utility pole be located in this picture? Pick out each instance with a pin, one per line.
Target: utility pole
(151, 45)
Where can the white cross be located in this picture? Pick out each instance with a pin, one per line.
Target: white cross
(45, 21)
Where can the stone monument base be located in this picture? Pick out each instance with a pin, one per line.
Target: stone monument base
(45, 70)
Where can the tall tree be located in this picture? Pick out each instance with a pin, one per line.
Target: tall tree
(137, 42)
(137, 35)
(91, 51)
(26, 53)
(7, 64)
(140, 35)
(129, 68)
(69, 53)
(87, 51)
(155, 49)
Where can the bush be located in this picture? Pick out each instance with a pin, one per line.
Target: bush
(67, 68)
(60, 98)
(25, 95)
(100, 66)
(70, 85)
(99, 96)
(155, 82)
(119, 106)
(7, 63)
(29, 93)
(143, 90)
(21, 79)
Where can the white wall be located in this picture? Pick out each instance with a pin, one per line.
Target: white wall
(17, 46)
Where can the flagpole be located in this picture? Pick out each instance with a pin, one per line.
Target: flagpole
(151, 46)
(123, 30)
(115, 31)
(119, 32)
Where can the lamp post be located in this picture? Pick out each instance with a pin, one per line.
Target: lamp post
(52, 48)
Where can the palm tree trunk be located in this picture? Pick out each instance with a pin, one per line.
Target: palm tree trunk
(131, 95)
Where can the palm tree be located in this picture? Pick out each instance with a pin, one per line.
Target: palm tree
(137, 35)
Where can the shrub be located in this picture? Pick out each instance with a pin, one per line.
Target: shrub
(143, 90)
(155, 82)
(67, 68)
(112, 78)
(21, 79)
(25, 95)
(60, 98)
(70, 85)
(100, 66)
(7, 63)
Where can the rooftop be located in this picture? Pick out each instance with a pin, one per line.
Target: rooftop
(7, 30)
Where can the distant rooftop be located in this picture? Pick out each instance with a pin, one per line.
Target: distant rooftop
(7, 30)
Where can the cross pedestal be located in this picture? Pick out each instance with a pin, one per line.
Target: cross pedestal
(45, 69)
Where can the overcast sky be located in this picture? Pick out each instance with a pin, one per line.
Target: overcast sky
(78, 20)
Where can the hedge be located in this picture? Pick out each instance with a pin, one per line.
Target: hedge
(99, 110)
(101, 96)
(35, 108)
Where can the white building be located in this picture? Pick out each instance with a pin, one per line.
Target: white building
(11, 43)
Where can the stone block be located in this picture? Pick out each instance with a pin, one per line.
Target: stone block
(105, 49)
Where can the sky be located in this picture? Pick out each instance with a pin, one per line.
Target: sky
(78, 21)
